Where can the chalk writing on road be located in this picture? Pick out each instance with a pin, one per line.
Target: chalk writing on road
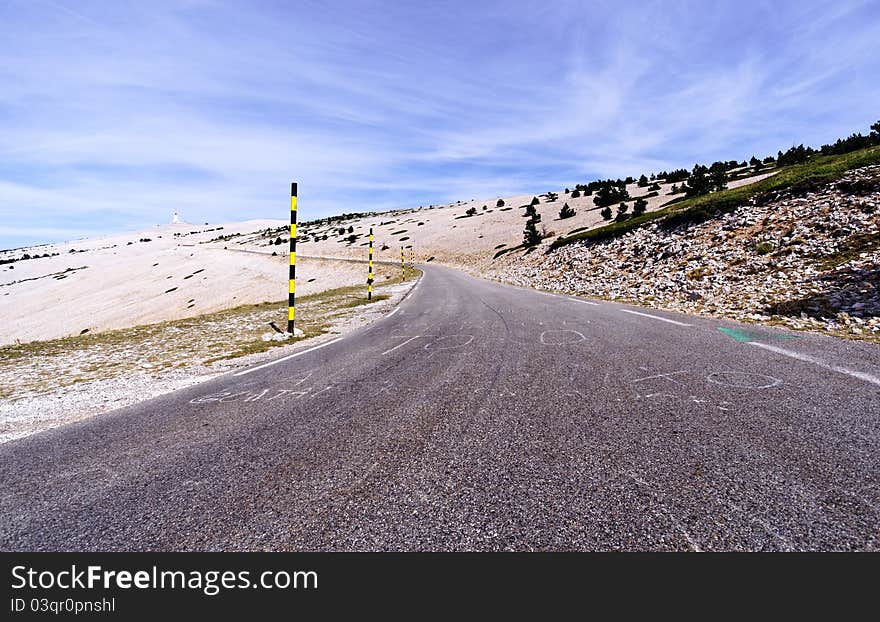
(561, 337)
(679, 386)
(286, 393)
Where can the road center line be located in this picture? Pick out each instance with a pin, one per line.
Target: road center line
(285, 358)
(400, 345)
(586, 302)
(656, 317)
(809, 359)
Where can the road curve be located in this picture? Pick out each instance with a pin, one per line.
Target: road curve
(480, 416)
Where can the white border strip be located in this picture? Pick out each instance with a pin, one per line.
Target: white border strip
(809, 359)
(286, 358)
(586, 302)
(656, 317)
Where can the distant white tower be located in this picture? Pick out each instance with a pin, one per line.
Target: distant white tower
(175, 218)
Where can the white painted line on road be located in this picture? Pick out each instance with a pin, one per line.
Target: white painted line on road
(285, 358)
(656, 317)
(586, 302)
(400, 345)
(809, 359)
(396, 309)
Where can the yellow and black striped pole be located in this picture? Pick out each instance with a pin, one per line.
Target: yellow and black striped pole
(291, 296)
(402, 264)
(370, 273)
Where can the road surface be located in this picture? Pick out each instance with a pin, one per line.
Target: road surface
(479, 416)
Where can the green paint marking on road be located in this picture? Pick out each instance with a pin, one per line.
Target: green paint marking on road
(743, 335)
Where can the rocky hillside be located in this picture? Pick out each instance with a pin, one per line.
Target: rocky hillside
(807, 258)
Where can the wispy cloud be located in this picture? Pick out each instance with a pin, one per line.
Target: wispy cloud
(114, 114)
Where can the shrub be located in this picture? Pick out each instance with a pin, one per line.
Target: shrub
(643, 181)
(351, 229)
(535, 201)
(566, 212)
(575, 193)
(639, 207)
(531, 212)
(655, 187)
(609, 194)
(606, 213)
(471, 211)
(674, 176)
(499, 203)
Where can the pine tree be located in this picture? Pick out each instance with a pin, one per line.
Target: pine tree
(718, 176)
(531, 237)
(566, 212)
(698, 183)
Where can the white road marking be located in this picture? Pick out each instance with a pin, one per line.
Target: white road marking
(286, 358)
(586, 302)
(656, 317)
(809, 359)
(396, 309)
(400, 345)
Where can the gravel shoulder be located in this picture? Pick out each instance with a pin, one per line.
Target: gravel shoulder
(48, 384)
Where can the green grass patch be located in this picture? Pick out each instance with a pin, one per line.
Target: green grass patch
(853, 247)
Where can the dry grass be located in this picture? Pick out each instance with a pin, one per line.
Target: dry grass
(35, 368)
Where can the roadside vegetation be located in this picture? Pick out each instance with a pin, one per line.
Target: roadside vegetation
(807, 168)
(34, 368)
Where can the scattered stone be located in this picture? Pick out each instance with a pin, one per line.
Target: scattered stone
(806, 261)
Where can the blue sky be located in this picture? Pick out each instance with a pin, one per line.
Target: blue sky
(114, 114)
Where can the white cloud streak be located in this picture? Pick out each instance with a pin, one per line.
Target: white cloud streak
(122, 112)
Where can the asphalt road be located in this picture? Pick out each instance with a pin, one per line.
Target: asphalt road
(481, 417)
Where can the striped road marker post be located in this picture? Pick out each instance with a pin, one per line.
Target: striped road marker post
(402, 264)
(291, 295)
(370, 272)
